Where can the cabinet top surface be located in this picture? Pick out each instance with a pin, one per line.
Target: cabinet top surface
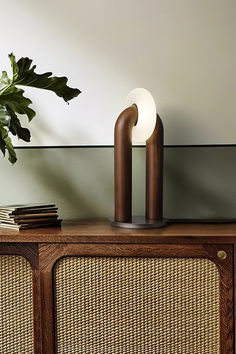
(100, 231)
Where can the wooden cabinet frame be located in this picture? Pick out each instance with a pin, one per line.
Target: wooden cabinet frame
(51, 253)
(44, 248)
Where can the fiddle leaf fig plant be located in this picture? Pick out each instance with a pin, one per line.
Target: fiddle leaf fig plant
(14, 103)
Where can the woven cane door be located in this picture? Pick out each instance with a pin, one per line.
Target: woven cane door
(16, 305)
(137, 305)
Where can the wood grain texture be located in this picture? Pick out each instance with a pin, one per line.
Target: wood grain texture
(226, 269)
(47, 303)
(123, 163)
(97, 231)
(37, 312)
(154, 172)
(27, 250)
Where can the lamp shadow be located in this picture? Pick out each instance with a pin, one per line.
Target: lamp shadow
(196, 185)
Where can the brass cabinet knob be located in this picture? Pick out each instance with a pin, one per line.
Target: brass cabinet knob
(221, 254)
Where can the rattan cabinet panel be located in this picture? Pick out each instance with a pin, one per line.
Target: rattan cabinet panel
(16, 305)
(92, 289)
(137, 305)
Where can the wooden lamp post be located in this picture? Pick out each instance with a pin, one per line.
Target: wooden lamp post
(127, 125)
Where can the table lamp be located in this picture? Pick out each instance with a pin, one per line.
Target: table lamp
(138, 123)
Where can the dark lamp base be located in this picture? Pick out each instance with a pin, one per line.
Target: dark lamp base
(140, 222)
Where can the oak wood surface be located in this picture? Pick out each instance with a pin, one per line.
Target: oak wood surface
(99, 230)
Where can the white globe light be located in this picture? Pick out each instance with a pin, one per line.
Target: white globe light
(145, 103)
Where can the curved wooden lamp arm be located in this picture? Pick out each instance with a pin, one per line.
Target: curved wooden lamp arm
(154, 173)
(123, 163)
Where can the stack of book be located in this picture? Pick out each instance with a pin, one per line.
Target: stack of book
(28, 216)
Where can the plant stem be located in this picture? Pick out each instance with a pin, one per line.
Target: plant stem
(5, 88)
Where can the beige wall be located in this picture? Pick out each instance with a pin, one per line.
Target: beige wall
(198, 182)
(183, 51)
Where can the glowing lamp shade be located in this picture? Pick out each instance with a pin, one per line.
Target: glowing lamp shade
(146, 106)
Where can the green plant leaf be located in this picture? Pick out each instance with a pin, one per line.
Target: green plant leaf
(15, 100)
(16, 128)
(6, 144)
(2, 145)
(14, 66)
(5, 117)
(24, 74)
(4, 80)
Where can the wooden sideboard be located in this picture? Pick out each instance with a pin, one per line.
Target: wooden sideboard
(87, 241)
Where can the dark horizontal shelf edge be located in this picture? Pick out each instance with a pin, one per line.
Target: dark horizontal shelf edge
(111, 146)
